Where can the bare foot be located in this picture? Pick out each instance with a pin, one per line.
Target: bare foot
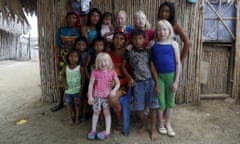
(154, 135)
(142, 130)
(77, 122)
(70, 122)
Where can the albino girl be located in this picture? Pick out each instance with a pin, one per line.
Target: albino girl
(98, 92)
(166, 57)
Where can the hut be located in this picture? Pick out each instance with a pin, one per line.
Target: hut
(212, 68)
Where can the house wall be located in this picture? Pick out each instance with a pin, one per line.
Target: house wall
(51, 15)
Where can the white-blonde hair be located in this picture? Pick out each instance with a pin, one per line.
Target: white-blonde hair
(121, 11)
(103, 56)
(141, 13)
(168, 25)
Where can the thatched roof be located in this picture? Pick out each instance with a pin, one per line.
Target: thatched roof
(12, 16)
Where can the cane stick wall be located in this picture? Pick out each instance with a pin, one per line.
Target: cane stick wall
(51, 16)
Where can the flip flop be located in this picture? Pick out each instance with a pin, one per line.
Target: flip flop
(56, 107)
(92, 135)
(102, 135)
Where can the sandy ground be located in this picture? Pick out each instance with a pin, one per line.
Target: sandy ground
(210, 122)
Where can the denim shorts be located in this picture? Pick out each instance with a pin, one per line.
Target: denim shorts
(72, 98)
(143, 93)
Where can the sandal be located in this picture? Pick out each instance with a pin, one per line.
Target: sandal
(171, 133)
(92, 135)
(102, 135)
(162, 130)
(56, 107)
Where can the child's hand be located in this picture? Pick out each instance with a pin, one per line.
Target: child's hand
(111, 84)
(90, 101)
(65, 86)
(112, 93)
(157, 91)
(129, 47)
(174, 86)
(131, 83)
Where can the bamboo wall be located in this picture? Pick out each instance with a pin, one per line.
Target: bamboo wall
(51, 16)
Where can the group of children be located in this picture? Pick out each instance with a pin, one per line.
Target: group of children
(98, 63)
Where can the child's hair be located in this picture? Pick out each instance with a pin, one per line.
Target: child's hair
(98, 39)
(104, 56)
(78, 24)
(168, 25)
(83, 39)
(137, 32)
(107, 14)
(141, 13)
(171, 7)
(121, 33)
(71, 51)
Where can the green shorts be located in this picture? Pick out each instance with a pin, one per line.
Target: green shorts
(167, 97)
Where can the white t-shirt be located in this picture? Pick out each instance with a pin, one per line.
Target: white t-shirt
(85, 4)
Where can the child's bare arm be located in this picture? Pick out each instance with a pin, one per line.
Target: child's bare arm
(131, 81)
(116, 87)
(90, 90)
(155, 77)
(82, 80)
(64, 81)
(178, 66)
(86, 66)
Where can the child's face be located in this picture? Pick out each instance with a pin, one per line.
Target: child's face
(103, 64)
(107, 20)
(95, 17)
(138, 41)
(81, 46)
(162, 32)
(72, 20)
(98, 47)
(164, 13)
(73, 58)
(119, 41)
(121, 20)
(140, 21)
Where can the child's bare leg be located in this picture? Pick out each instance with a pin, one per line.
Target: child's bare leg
(154, 133)
(107, 116)
(143, 120)
(77, 110)
(70, 110)
(95, 119)
(168, 118)
(160, 119)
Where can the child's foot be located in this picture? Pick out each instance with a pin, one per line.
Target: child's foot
(142, 130)
(102, 135)
(154, 135)
(92, 135)
(77, 122)
(170, 131)
(118, 129)
(70, 122)
(162, 130)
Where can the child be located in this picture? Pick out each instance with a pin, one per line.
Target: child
(119, 43)
(166, 11)
(107, 29)
(73, 81)
(99, 91)
(98, 46)
(92, 29)
(65, 38)
(121, 19)
(145, 91)
(167, 61)
(81, 46)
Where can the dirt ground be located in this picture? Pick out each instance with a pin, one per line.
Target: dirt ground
(210, 122)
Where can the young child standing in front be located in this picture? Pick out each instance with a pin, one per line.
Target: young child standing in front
(145, 89)
(98, 92)
(166, 57)
(81, 46)
(73, 81)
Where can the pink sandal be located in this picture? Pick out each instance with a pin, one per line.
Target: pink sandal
(102, 135)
